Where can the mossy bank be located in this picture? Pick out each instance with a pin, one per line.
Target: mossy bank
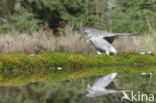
(66, 60)
(18, 69)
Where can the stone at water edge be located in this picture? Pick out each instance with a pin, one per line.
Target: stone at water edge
(59, 68)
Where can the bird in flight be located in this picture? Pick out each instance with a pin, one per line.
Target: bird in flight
(102, 40)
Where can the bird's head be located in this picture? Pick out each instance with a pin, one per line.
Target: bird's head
(88, 31)
(88, 37)
(85, 29)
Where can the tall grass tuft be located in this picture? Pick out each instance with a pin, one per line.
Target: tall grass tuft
(70, 41)
(145, 42)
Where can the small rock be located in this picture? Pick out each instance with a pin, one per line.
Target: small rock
(33, 81)
(32, 55)
(143, 73)
(150, 73)
(59, 68)
(142, 53)
(146, 74)
(150, 53)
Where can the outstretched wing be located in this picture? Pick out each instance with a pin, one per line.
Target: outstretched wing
(95, 32)
(104, 81)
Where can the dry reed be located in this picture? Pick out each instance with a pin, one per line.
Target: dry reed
(70, 41)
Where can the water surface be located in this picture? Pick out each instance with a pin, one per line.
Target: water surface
(49, 86)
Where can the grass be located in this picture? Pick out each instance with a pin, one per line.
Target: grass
(145, 42)
(42, 67)
(78, 60)
(68, 60)
(70, 41)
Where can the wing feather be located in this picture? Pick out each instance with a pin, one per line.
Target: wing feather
(104, 81)
(95, 32)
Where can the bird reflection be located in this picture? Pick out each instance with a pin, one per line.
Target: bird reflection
(103, 86)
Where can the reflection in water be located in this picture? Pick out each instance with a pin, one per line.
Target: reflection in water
(100, 86)
(74, 91)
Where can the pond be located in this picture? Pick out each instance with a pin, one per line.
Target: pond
(70, 86)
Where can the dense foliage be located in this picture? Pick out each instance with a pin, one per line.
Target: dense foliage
(111, 15)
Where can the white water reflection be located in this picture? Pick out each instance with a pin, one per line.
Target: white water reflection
(99, 86)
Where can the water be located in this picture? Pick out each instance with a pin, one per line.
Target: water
(43, 87)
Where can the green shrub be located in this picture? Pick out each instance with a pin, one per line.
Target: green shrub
(24, 22)
(111, 15)
(21, 20)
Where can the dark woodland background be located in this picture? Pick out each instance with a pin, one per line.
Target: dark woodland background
(110, 15)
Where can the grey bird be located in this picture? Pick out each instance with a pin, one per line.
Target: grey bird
(102, 40)
(100, 85)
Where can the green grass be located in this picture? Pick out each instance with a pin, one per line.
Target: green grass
(48, 60)
(42, 67)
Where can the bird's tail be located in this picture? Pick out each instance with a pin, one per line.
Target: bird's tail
(127, 34)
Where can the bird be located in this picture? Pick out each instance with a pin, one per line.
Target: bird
(100, 86)
(102, 40)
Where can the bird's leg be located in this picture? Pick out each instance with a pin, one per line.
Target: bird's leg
(98, 52)
(113, 50)
(107, 52)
